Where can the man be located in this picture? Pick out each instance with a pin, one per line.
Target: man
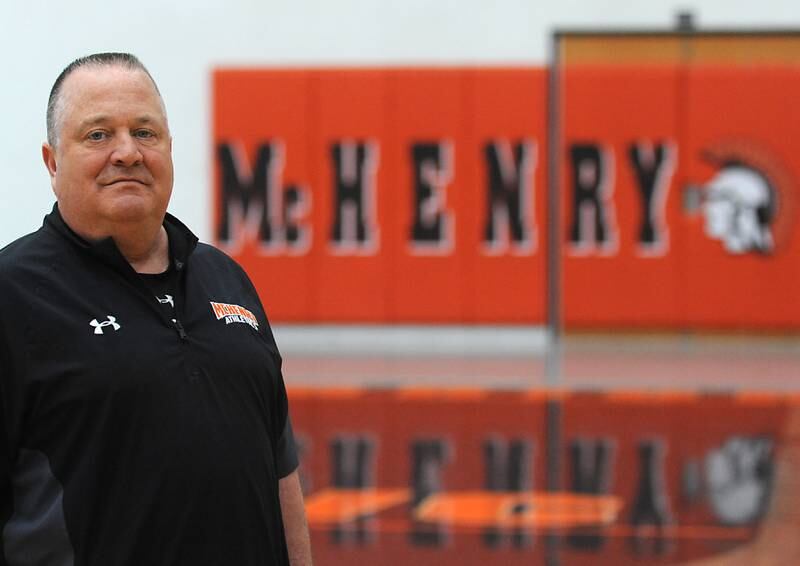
(144, 415)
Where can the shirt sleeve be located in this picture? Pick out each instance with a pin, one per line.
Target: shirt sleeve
(286, 451)
(286, 459)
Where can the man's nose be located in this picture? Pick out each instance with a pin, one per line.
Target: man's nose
(126, 151)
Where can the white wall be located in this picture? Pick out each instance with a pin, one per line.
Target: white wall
(182, 40)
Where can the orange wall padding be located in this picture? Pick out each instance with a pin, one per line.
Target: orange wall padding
(463, 110)
(678, 277)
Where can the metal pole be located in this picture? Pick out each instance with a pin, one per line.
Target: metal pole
(554, 316)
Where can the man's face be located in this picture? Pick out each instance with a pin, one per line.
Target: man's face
(112, 167)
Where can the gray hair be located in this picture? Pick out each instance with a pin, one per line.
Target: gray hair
(55, 105)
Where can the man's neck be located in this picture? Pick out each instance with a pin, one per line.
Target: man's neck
(144, 243)
(150, 255)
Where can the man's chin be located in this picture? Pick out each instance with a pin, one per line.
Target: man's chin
(132, 208)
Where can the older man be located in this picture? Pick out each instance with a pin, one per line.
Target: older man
(144, 415)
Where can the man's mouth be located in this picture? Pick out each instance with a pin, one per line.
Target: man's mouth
(123, 180)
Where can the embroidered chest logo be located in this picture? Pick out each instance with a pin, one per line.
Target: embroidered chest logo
(98, 326)
(234, 313)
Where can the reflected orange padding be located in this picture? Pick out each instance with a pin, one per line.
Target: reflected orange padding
(342, 505)
(527, 509)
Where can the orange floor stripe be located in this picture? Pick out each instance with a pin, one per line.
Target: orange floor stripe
(528, 509)
(342, 505)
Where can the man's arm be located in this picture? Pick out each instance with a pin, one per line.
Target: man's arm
(294, 520)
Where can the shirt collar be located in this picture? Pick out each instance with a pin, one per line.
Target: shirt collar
(182, 241)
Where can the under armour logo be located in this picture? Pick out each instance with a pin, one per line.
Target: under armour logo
(98, 326)
(166, 300)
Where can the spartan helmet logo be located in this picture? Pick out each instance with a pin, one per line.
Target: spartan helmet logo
(746, 204)
(739, 207)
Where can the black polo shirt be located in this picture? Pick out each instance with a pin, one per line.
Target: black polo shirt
(135, 434)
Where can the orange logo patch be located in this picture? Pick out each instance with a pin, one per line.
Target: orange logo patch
(234, 313)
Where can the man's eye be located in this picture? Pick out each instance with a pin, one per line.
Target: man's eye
(143, 134)
(96, 135)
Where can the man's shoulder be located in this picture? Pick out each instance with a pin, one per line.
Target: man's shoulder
(27, 251)
(25, 261)
(210, 262)
(211, 252)
(213, 257)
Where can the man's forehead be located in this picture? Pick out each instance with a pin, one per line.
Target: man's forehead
(99, 75)
(94, 83)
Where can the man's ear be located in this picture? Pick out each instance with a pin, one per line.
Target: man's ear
(49, 157)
